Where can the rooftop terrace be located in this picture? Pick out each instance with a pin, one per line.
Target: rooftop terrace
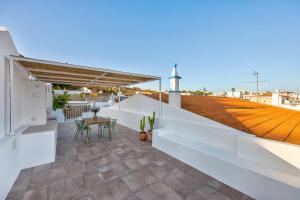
(124, 168)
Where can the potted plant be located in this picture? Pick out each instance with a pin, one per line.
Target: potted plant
(95, 109)
(151, 121)
(142, 128)
(59, 103)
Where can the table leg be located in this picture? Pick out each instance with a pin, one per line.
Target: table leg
(109, 129)
(87, 136)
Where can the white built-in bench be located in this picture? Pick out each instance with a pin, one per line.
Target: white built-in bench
(38, 144)
(254, 166)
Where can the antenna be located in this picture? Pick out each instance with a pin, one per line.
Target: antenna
(256, 74)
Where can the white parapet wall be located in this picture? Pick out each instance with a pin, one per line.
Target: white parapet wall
(260, 168)
(144, 105)
(10, 165)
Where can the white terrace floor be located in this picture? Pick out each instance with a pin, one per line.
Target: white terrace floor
(124, 168)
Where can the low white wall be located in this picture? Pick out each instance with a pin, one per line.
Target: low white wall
(146, 105)
(69, 92)
(22, 151)
(277, 155)
(10, 165)
(37, 148)
(243, 179)
(215, 136)
(59, 115)
(291, 107)
(261, 168)
(128, 119)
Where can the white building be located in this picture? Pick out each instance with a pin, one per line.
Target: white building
(287, 100)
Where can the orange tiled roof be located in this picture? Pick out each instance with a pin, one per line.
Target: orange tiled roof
(254, 118)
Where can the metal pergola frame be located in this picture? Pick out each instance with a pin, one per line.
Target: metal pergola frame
(78, 75)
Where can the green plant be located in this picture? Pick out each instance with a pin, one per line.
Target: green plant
(95, 109)
(82, 96)
(142, 124)
(60, 101)
(151, 121)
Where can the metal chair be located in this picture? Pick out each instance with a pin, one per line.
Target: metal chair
(103, 126)
(111, 126)
(113, 123)
(81, 127)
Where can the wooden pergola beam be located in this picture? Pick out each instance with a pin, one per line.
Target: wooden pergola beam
(54, 72)
(79, 83)
(77, 79)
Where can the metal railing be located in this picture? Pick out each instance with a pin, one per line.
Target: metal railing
(73, 112)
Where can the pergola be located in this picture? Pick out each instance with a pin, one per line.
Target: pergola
(77, 75)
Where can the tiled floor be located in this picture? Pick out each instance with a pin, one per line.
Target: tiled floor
(124, 168)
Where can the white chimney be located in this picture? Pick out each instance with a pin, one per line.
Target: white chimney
(174, 92)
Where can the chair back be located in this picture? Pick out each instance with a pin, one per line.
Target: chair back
(79, 123)
(113, 123)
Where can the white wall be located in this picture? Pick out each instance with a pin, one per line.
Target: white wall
(175, 99)
(49, 100)
(2, 95)
(29, 100)
(38, 146)
(145, 105)
(10, 145)
(261, 168)
(35, 103)
(128, 119)
(291, 107)
(236, 94)
(18, 94)
(277, 101)
(245, 176)
(7, 48)
(10, 162)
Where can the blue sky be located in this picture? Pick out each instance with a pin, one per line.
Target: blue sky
(214, 43)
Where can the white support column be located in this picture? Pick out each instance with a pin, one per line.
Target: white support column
(119, 97)
(160, 103)
(11, 98)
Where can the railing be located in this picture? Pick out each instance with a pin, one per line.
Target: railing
(73, 112)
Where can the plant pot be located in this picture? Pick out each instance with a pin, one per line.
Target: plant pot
(149, 136)
(143, 136)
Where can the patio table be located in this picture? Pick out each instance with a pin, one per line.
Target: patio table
(98, 121)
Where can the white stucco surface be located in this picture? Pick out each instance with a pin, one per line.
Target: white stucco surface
(28, 107)
(38, 145)
(261, 168)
